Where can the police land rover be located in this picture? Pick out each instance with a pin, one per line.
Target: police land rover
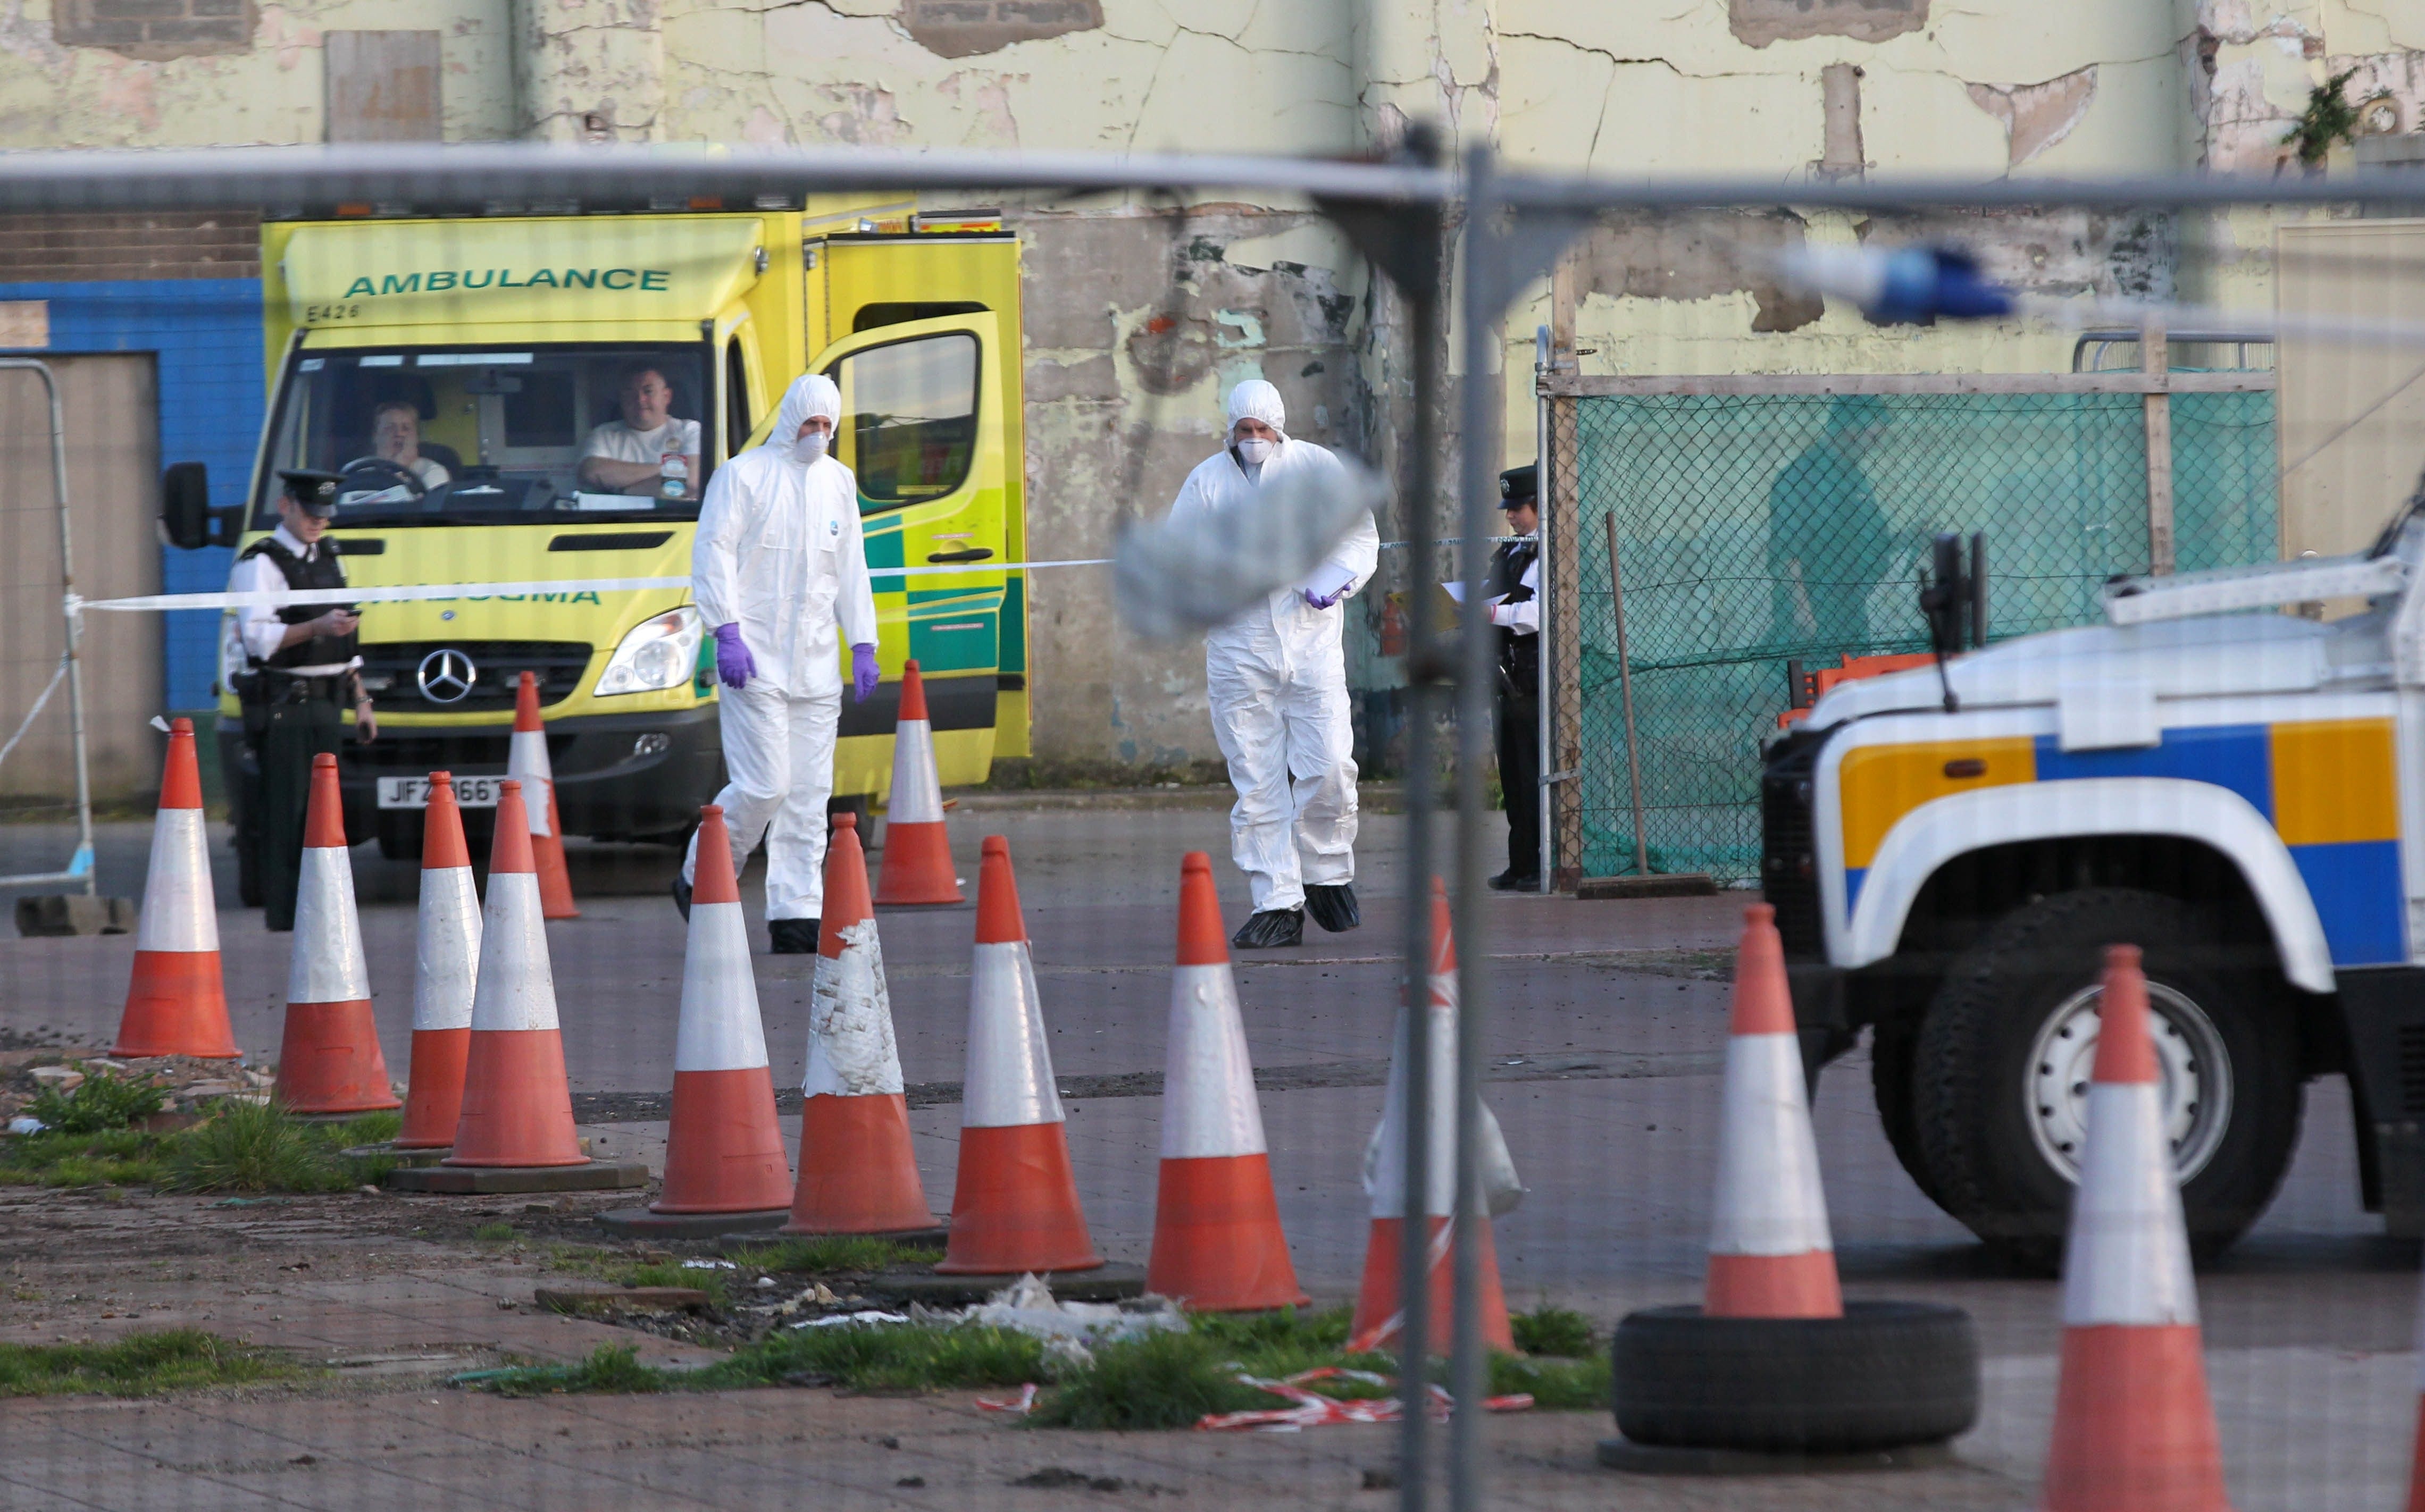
(2237, 790)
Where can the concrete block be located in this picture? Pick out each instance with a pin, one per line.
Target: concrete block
(478, 1181)
(643, 1223)
(1680, 884)
(64, 913)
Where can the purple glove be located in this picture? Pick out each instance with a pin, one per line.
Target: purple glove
(863, 673)
(1322, 600)
(733, 662)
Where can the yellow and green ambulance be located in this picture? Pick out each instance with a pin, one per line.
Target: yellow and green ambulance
(505, 342)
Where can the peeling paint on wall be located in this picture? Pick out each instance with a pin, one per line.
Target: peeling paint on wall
(1758, 23)
(1699, 257)
(963, 28)
(2037, 116)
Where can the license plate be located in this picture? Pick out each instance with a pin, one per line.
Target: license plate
(413, 792)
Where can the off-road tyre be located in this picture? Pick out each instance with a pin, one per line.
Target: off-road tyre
(1972, 1073)
(1884, 1376)
(1893, 1047)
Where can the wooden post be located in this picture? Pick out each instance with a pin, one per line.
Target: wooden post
(1625, 690)
(1562, 522)
(2156, 361)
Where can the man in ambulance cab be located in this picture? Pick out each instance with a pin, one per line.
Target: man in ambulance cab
(778, 568)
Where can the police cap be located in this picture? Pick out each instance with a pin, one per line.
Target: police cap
(315, 491)
(1520, 485)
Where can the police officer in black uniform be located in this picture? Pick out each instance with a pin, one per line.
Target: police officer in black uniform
(300, 673)
(1515, 601)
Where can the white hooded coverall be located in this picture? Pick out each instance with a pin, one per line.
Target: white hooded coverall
(1276, 678)
(779, 552)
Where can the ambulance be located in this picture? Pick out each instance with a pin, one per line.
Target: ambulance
(507, 343)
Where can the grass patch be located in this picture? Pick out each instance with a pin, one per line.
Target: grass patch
(884, 1358)
(610, 1368)
(828, 1253)
(1156, 1380)
(1558, 1385)
(1553, 1330)
(104, 1102)
(717, 1282)
(140, 1365)
(242, 1147)
(496, 1233)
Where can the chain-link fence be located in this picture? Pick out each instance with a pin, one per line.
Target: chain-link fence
(1754, 530)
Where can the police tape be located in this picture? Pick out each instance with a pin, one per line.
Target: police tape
(551, 589)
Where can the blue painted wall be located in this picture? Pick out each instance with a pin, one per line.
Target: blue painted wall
(205, 334)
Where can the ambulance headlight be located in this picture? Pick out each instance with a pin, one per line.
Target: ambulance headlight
(659, 654)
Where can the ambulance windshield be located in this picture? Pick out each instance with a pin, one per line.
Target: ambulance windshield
(531, 434)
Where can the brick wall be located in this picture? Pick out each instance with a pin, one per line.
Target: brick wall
(41, 248)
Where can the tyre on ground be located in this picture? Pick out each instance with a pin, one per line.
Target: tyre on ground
(1885, 1375)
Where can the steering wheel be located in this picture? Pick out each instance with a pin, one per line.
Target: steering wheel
(395, 474)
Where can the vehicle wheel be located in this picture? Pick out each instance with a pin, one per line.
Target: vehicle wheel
(1999, 1082)
(1883, 1375)
(1892, 1048)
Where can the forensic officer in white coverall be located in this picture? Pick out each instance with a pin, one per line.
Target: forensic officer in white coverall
(778, 568)
(1277, 681)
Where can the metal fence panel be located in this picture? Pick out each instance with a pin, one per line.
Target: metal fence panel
(1754, 530)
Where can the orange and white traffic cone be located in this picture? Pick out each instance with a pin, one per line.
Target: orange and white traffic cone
(1771, 1254)
(2417, 1460)
(2133, 1425)
(1015, 1204)
(859, 1173)
(176, 1003)
(517, 1103)
(1379, 1311)
(526, 763)
(447, 963)
(723, 1151)
(329, 1058)
(1217, 1243)
(917, 853)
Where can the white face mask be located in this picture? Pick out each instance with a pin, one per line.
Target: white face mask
(1254, 449)
(809, 446)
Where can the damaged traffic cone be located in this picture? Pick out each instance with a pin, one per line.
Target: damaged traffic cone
(723, 1151)
(1217, 1243)
(1771, 1254)
(1379, 1311)
(858, 1172)
(329, 1058)
(446, 952)
(917, 853)
(526, 763)
(2134, 1426)
(1015, 1205)
(517, 1103)
(176, 1002)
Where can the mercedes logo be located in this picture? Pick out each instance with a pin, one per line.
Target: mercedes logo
(446, 676)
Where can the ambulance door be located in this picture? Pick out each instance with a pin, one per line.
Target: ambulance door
(923, 427)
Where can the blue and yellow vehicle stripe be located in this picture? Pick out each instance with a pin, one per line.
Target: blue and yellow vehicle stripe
(2329, 788)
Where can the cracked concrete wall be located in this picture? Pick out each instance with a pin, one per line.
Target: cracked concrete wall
(1133, 327)
(1138, 326)
(55, 95)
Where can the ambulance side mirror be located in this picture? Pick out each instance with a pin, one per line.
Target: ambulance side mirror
(187, 521)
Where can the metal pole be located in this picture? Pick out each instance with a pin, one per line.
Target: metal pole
(1476, 685)
(1545, 844)
(72, 623)
(1624, 694)
(1414, 1041)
